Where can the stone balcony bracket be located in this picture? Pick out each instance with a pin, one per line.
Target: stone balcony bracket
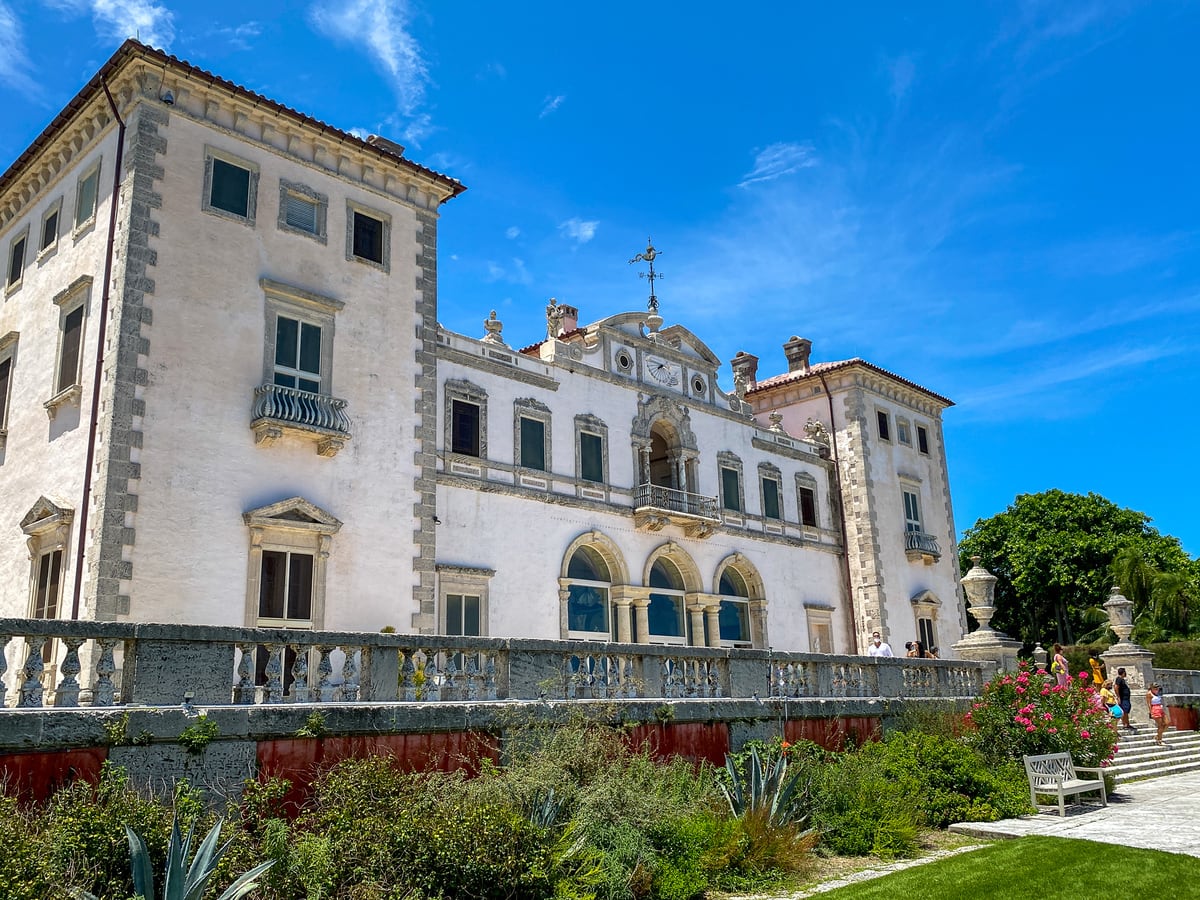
(280, 410)
(68, 396)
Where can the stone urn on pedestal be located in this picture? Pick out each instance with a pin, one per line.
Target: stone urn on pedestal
(1137, 661)
(985, 644)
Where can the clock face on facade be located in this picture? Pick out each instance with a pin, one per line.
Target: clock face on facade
(662, 371)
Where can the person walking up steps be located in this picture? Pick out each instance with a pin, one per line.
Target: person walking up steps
(1123, 698)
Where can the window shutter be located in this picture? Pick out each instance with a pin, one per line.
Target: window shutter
(300, 213)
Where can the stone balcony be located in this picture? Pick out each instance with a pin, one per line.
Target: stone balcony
(656, 506)
(921, 547)
(282, 410)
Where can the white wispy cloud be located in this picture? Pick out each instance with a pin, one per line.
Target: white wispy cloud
(14, 63)
(380, 27)
(491, 70)
(514, 272)
(779, 159)
(578, 230)
(551, 104)
(116, 20)
(512, 232)
(239, 35)
(901, 72)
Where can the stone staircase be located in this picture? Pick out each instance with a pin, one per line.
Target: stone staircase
(1139, 758)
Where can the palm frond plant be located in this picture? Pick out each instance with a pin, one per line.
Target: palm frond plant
(181, 881)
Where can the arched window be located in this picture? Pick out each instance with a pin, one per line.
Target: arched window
(735, 612)
(588, 589)
(666, 613)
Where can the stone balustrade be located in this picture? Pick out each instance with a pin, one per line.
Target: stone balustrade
(1178, 682)
(83, 663)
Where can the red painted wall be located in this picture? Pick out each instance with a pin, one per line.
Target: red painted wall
(696, 741)
(832, 734)
(300, 759)
(35, 777)
(1185, 718)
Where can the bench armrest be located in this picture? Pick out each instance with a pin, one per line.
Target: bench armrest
(1084, 769)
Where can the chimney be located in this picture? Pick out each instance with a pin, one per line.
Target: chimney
(747, 364)
(797, 350)
(385, 145)
(570, 317)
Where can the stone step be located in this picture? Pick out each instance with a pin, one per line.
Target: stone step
(1175, 768)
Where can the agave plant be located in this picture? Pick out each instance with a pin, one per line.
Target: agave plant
(181, 881)
(773, 792)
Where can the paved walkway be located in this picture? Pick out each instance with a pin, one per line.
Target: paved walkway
(1157, 814)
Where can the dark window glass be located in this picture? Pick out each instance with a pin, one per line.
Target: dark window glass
(731, 489)
(50, 230)
(587, 608)
(732, 584)
(808, 507)
(368, 238)
(732, 621)
(462, 614)
(272, 584)
(926, 628)
(297, 354)
(68, 364)
(922, 439)
(85, 202)
(533, 444)
(665, 575)
(5, 379)
(587, 565)
(665, 615)
(464, 428)
(885, 432)
(285, 585)
(230, 188)
(591, 457)
(16, 261)
(300, 575)
(45, 605)
(287, 333)
(770, 492)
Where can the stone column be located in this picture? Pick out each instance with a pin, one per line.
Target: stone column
(697, 613)
(713, 614)
(621, 612)
(641, 615)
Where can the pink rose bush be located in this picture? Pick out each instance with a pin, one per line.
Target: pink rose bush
(1027, 713)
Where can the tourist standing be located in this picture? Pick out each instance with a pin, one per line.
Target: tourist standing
(1123, 698)
(1097, 671)
(1059, 667)
(879, 647)
(1159, 714)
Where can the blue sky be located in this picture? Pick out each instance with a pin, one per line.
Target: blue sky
(995, 200)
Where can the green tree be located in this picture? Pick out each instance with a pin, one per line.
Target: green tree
(1053, 553)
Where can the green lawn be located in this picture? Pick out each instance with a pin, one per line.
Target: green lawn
(1039, 868)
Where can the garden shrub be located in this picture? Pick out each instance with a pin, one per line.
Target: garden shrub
(858, 810)
(26, 872)
(1027, 713)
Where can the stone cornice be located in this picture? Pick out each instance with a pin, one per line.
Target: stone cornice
(139, 74)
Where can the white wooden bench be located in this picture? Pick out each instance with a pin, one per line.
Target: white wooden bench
(1056, 774)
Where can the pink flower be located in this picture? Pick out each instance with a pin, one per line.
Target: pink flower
(1048, 716)
(1020, 690)
(1045, 691)
(1031, 728)
(1041, 671)
(1083, 676)
(1085, 734)
(1052, 730)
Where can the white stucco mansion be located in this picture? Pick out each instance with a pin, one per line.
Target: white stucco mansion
(225, 399)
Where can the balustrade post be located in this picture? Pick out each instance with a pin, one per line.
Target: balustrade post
(433, 678)
(349, 675)
(323, 692)
(103, 690)
(67, 693)
(243, 691)
(300, 687)
(408, 675)
(31, 685)
(274, 672)
(4, 639)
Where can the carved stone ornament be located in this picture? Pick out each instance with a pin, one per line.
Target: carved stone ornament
(554, 319)
(815, 431)
(777, 422)
(494, 329)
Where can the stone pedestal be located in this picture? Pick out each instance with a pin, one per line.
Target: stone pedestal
(1138, 664)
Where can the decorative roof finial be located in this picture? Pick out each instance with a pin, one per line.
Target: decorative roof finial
(495, 329)
(648, 256)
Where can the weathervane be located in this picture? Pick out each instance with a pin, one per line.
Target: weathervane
(649, 256)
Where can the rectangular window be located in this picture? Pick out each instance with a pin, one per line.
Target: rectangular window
(300, 213)
(5, 384)
(286, 586)
(885, 431)
(49, 585)
(591, 457)
(731, 489)
(230, 189)
(808, 507)
(297, 354)
(85, 197)
(462, 615)
(16, 260)
(902, 433)
(368, 237)
(68, 358)
(922, 439)
(49, 230)
(925, 629)
(770, 495)
(464, 428)
(533, 443)
(912, 511)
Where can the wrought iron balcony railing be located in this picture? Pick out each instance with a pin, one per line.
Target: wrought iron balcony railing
(278, 409)
(920, 542)
(674, 500)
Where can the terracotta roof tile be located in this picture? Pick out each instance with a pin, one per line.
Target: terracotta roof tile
(818, 368)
